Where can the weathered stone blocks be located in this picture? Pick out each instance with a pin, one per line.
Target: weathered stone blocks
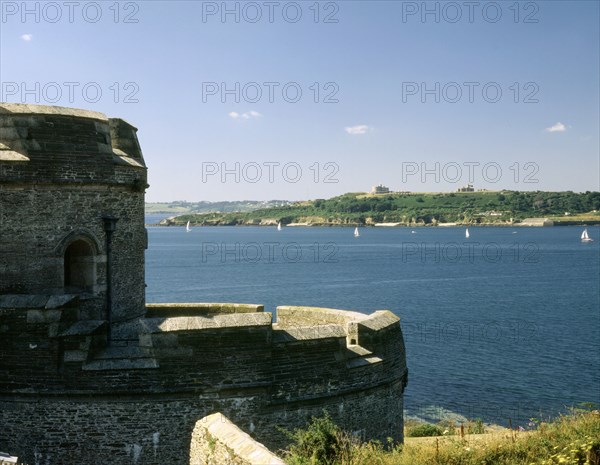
(88, 379)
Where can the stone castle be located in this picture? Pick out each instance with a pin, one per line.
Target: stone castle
(91, 374)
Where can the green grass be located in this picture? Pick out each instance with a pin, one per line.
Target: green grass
(572, 439)
(581, 218)
(424, 430)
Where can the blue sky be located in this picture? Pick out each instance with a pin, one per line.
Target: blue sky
(391, 75)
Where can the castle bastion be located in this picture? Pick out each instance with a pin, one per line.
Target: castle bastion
(90, 373)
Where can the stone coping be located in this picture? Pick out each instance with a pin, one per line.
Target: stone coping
(28, 109)
(291, 334)
(294, 323)
(288, 314)
(379, 320)
(198, 323)
(121, 158)
(7, 459)
(241, 444)
(11, 155)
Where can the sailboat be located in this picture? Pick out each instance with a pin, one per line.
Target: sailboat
(356, 233)
(585, 237)
(467, 235)
(279, 226)
(187, 227)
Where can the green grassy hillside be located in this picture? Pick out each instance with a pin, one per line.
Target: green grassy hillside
(416, 209)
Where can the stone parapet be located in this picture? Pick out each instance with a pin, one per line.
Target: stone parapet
(217, 441)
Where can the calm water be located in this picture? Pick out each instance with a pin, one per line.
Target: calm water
(504, 325)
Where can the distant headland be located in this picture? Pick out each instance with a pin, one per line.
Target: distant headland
(494, 208)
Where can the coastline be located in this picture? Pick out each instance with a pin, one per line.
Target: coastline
(387, 225)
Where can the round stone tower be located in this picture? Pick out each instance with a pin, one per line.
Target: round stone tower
(72, 188)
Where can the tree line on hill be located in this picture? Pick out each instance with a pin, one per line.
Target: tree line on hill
(414, 208)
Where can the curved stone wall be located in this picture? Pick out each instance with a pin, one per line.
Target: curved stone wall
(71, 390)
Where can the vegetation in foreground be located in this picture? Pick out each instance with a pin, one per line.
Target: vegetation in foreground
(572, 439)
(502, 207)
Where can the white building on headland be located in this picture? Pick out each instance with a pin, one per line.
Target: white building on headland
(467, 188)
(380, 189)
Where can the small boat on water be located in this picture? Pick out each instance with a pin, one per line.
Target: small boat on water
(279, 226)
(356, 233)
(467, 235)
(187, 227)
(585, 236)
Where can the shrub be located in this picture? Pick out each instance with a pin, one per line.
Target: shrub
(424, 429)
(318, 444)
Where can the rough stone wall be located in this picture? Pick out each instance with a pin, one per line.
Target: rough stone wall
(69, 175)
(154, 430)
(77, 430)
(259, 375)
(157, 430)
(68, 396)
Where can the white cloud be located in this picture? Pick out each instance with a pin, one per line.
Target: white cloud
(558, 127)
(360, 129)
(27, 37)
(247, 115)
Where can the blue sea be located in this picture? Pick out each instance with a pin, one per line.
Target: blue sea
(502, 326)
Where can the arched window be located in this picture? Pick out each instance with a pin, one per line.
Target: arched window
(80, 267)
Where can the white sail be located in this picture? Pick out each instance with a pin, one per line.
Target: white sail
(585, 237)
(467, 235)
(187, 227)
(356, 233)
(279, 226)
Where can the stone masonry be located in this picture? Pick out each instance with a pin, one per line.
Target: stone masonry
(217, 441)
(90, 373)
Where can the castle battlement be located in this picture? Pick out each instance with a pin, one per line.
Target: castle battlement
(49, 327)
(91, 373)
